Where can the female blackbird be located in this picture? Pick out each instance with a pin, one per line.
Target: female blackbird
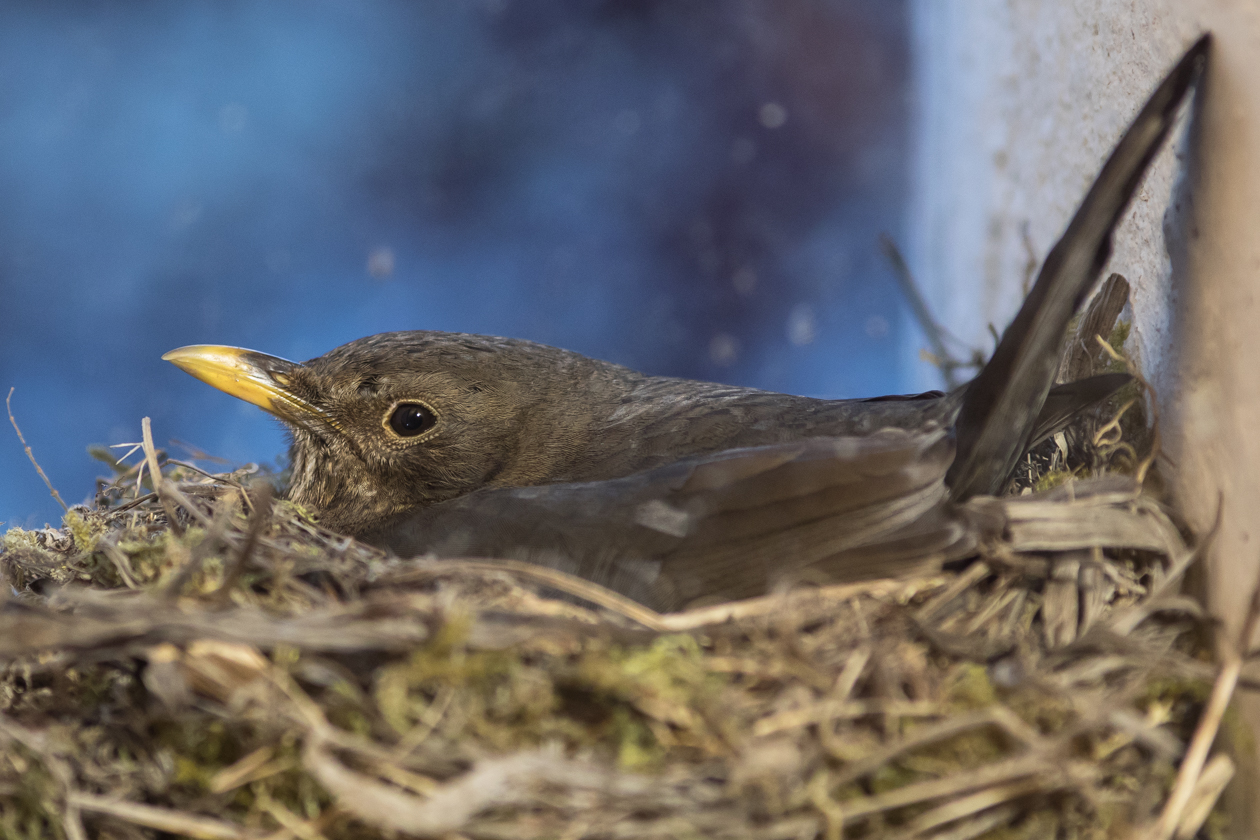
(670, 490)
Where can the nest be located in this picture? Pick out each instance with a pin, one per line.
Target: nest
(191, 657)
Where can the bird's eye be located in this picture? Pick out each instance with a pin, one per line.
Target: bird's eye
(411, 419)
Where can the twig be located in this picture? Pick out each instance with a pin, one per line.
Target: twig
(975, 803)
(209, 544)
(931, 330)
(162, 819)
(941, 603)
(556, 579)
(29, 453)
(224, 478)
(197, 453)
(155, 473)
(1151, 404)
(166, 491)
(131, 505)
(303, 829)
(120, 561)
(1103, 437)
(998, 774)
(977, 826)
(1218, 773)
(135, 447)
(429, 720)
(260, 497)
(825, 711)
(244, 770)
(1124, 621)
(997, 717)
(790, 603)
(1205, 733)
(493, 782)
(186, 503)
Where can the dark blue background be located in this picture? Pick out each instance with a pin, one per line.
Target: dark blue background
(690, 188)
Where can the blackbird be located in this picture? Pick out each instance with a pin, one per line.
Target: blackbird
(668, 490)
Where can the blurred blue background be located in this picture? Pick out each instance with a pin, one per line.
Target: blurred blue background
(689, 188)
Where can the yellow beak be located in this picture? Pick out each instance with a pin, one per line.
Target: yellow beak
(248, 375)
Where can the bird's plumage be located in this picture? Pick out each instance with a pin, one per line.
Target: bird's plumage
(670, 490)
(718, 526)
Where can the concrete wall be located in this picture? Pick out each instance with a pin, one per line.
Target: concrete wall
(1020, 101)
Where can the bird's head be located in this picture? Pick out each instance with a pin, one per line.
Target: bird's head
(399, 420)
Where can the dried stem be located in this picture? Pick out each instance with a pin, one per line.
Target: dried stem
(162, 819)
(935, 335)
(155, 473)
(29, 453)
(1233, 655)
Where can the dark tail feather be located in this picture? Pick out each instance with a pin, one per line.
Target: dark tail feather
(1066, 401)
(1001, 406)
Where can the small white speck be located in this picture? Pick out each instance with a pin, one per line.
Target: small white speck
(380, 262)
(233, 117)
(876, 326)
(802, 327)
(724, 349)
(745, 281)
(661, 517)
(185, 214)
(772, 115)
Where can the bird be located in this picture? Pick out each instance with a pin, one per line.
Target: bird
(676, 492)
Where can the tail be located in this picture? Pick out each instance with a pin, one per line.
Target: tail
(1001, 404)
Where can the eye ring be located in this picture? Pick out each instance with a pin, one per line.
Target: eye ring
(410, 419)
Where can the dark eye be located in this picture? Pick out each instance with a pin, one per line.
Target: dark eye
(411, 419)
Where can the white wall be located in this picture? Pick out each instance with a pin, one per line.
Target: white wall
(1020, 101)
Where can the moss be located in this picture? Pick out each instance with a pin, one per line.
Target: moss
(496, 696)
(748, 704)
(888, 777)
(285, 506)
(1053, 478)
(968, 687)
(637, 746)
(1119, 335)
(19, 539)
(669, 672)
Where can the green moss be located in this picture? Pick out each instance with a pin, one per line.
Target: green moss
(32, 809)
(296, 510)
(153, 558)
(637, 746)
(19, 539)
(1053, 478)
(193, 773)
(1119, 335)
(887, 777)
(1173, 688)
(669, 671)
(495, 694)
(969, 687)
(86, 532)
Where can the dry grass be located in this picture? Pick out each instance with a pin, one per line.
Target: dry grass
(191, 657)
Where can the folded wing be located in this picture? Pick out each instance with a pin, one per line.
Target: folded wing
(729, 525)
